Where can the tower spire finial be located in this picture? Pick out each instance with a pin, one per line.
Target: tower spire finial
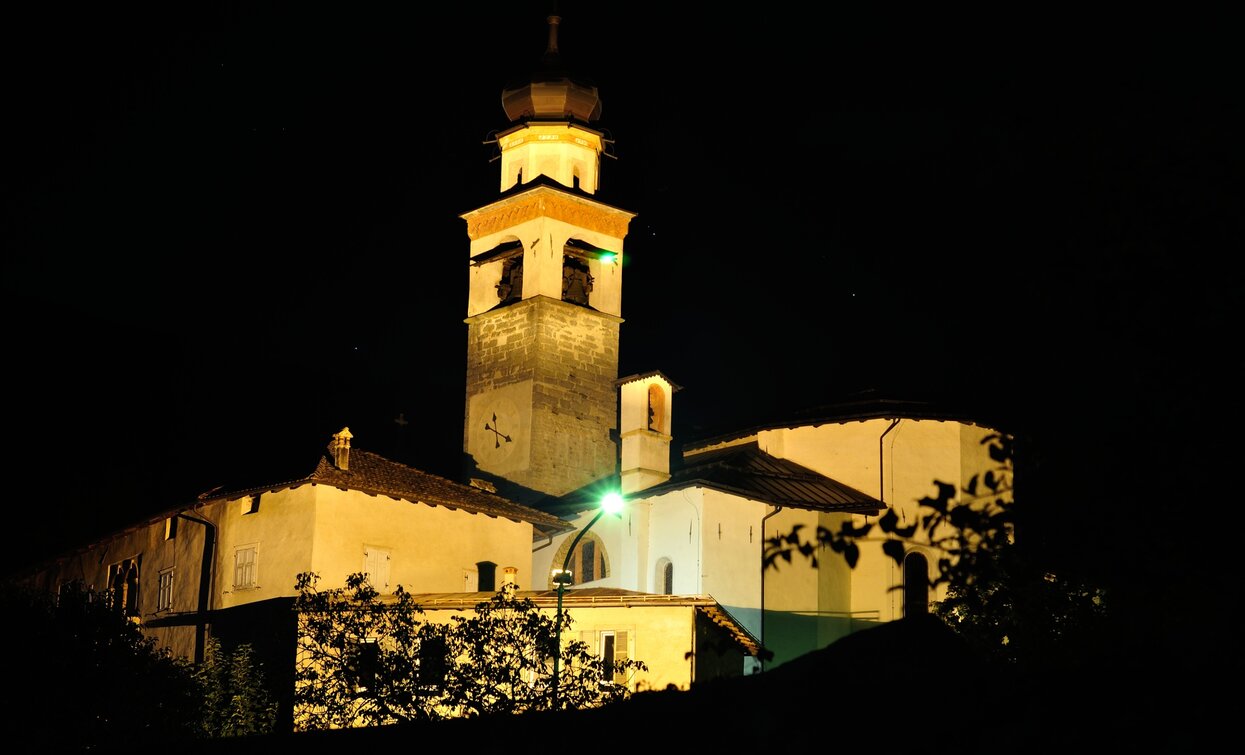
(551, 52)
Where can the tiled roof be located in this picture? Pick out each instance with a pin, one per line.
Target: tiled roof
(374, 474)
(748, 472)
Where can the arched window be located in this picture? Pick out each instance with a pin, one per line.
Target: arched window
(510, 287)
(656, 408)
(915, 584)
(576, 281)
(123, 582)
(665, 576)
(588, 563)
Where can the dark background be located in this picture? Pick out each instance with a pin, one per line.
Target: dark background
(232, 229)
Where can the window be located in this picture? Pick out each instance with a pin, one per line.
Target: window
(123, 586)
(510, 288)
(612, 647)
(576, 281)
(587, 563)
(656, 408)
(164, 595)
(665, 576)
(245, 566)
(432, 665)
(250, 504)
(362, 665)
(915, 585)
(376, 566)
(487, 579)
(170, 528)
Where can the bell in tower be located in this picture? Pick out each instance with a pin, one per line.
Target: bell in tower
(545, 297)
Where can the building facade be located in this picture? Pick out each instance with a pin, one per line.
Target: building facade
(549, 427)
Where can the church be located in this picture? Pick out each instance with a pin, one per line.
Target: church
(676, 580)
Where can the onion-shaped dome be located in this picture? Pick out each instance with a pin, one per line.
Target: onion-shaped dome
(551, 93)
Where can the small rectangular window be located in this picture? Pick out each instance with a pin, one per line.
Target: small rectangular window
(170, 528)
(432, 661)
(362, 666)
(245, 566)
(164, 596)
(250, 504)
(613, 649)
(486, 572)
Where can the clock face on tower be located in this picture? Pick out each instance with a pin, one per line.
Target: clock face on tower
(499, 434)
(498, 427)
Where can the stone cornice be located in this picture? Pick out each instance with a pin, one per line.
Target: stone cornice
(543, 201)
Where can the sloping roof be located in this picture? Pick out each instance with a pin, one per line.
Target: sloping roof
(864, 408)
(747, 471)
(375, 475)
(743, 470)
(368, 473)
(649, 373)
(599, 597)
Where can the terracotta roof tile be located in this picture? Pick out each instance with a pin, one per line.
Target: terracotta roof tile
(374, 474)
(746, 471)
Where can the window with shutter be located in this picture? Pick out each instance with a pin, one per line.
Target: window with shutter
(376, 563)
(164, 596)
(613, 649)
(245, 566)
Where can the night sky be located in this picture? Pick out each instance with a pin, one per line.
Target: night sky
(232, 229)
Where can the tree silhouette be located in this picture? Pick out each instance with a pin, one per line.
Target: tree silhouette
(368, 660)
(85, 677)
(998, 595)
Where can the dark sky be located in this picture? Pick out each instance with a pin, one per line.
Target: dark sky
(232, 229)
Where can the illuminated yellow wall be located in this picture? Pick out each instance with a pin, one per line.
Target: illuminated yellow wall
(434, 548)
(326, 530)
(898, 466)
(660, 636)
(564, 152)
(309, 528)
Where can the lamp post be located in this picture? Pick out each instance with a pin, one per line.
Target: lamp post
(612, 503)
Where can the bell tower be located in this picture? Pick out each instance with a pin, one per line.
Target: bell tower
(545, 294)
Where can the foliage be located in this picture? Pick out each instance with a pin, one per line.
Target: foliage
(84, 676)
(340, 679)
(503, 658)
(365, 660)
(236, 701)
(998, 595)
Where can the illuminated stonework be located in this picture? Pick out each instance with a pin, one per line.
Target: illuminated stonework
(543, 201)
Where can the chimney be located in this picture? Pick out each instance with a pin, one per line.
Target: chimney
(339, 447)
(644, 430)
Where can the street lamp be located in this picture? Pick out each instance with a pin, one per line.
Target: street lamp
(612, 503)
